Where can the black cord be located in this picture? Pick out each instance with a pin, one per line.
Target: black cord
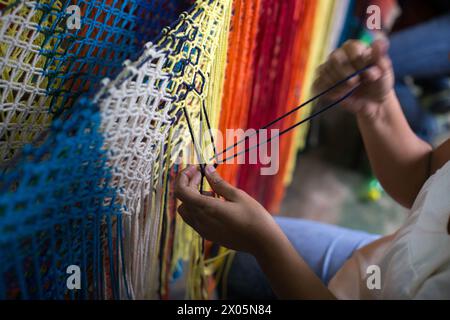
(291, 127)
(337, 84)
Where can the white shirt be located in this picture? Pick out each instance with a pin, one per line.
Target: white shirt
(414, 263)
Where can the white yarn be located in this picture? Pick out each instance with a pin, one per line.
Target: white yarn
(23, 102)
(136, 110)
(135, 122)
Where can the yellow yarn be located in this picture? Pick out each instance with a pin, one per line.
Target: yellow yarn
(318, 53)
(30, 116)
(210, 21)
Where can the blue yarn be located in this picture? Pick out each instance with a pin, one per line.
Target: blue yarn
(178, 272)
(351, 22)
(57, 207)
(57, 198)
(109, 34)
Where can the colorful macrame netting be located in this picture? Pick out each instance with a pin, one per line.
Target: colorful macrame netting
(45, 66)
(92, 131)
(134, 113)
(145, 130)
(57, 209)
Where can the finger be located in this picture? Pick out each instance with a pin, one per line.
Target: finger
(195, 180)
(338, 76)
(182, 189)
(380, 50)
(330, 72)
(363, 56)
(357, 53)
(200, 221)
(185, 176)
(321, 81)
(189, 172)
(220, 186)
(182, 210)
(372, 74)
(188, 216)
(342, 68)
(320, 85)
(209, 193)
(377, 56)
(335, 78)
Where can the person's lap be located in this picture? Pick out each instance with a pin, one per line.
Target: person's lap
(325, 248)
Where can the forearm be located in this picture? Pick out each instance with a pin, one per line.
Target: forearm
(288, 274)
(399, 159)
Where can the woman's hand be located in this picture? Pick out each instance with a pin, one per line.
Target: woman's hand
(399, 159)
(239, 222)
(376, 84)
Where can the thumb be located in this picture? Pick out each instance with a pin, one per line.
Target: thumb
(380, 50)
(219, 185)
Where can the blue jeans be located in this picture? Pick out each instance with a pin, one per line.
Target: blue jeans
(421, 52)
(325, 248)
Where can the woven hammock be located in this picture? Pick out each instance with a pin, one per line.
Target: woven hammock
(45, 67)
(120, 180)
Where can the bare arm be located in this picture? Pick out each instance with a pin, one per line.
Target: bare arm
(440, 156)
(401, 161)
(288, 274)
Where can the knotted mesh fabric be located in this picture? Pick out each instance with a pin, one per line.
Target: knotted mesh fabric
(57, 209)
(62, 199)
(45, 65)
(135, 122)
(145, 131)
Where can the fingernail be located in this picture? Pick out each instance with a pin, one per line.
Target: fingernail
(210, 169)
(191, 168)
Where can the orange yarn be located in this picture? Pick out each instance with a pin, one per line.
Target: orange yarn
(264, 75)
(297, 64)
(239, 74)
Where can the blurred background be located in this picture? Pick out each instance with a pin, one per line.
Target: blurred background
(333, 181)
